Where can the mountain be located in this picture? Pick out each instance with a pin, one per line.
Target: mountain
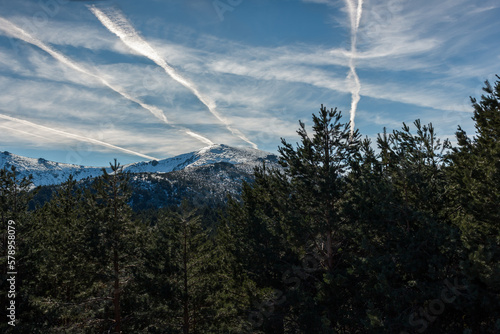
(204, 176)
(209, 155)
(46, 172)
(201, 185)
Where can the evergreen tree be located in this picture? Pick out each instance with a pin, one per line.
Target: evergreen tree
(316, 169)
(257, 233)
(292, 232)
(179, 275)
(409, 248)
(15, 195)
(231, 295)
(83, 248)
(112, 242)
(475, 189)
(60, 274)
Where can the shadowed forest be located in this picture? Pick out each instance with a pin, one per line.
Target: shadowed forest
(401, 235)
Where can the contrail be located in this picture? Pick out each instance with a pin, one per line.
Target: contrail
(25, 132)
(199, 137)
(355, 18)
(118, 24)
(74, 136)
(17, 32)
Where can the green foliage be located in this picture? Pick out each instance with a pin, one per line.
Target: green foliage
(15, 195)
(316, 169)
(408, 245)
(475, 188)
(180, 257)
(113, 239)
(291, 233)
(57, 291)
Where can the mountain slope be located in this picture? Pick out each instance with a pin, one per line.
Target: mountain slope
(51, 173)
(46, 172)
(208, 155)
(201, 185)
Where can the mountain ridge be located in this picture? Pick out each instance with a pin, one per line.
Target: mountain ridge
(47, 172)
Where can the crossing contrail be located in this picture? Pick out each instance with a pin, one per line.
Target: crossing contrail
(355, 14)
(118, 24)
(75, 136)
(17, 32)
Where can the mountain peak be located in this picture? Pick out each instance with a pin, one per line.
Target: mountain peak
(213, 148)
(207, 155)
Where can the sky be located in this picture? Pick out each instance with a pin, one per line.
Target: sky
(85, 82)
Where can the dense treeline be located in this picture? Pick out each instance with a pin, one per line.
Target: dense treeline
(345, 238)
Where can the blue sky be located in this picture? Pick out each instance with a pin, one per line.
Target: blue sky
(88, 81)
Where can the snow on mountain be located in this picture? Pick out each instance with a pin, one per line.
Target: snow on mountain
(205, 156)
(48, 173)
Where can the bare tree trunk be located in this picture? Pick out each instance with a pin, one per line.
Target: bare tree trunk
(186, 299)
(116, 297)
(329, 250)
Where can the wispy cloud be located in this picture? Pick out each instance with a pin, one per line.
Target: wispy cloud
(74, 136)
(116, 22)
(17, 32)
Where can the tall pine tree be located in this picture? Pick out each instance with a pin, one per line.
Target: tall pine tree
(475, 187)
(15, 195)
(112, 241)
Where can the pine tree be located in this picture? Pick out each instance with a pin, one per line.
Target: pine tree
(180, 277)
(60, 267)
(316, 169)
(15, 195)
(231, 293)
(408, 246)
(475, 187)
(257, 235)
(291, 232)
(111, 246)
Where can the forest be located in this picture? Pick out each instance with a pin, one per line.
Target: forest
(401, 235)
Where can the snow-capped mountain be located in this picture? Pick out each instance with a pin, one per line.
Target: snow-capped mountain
(50, 173)
(46, 172)
(207, 155)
